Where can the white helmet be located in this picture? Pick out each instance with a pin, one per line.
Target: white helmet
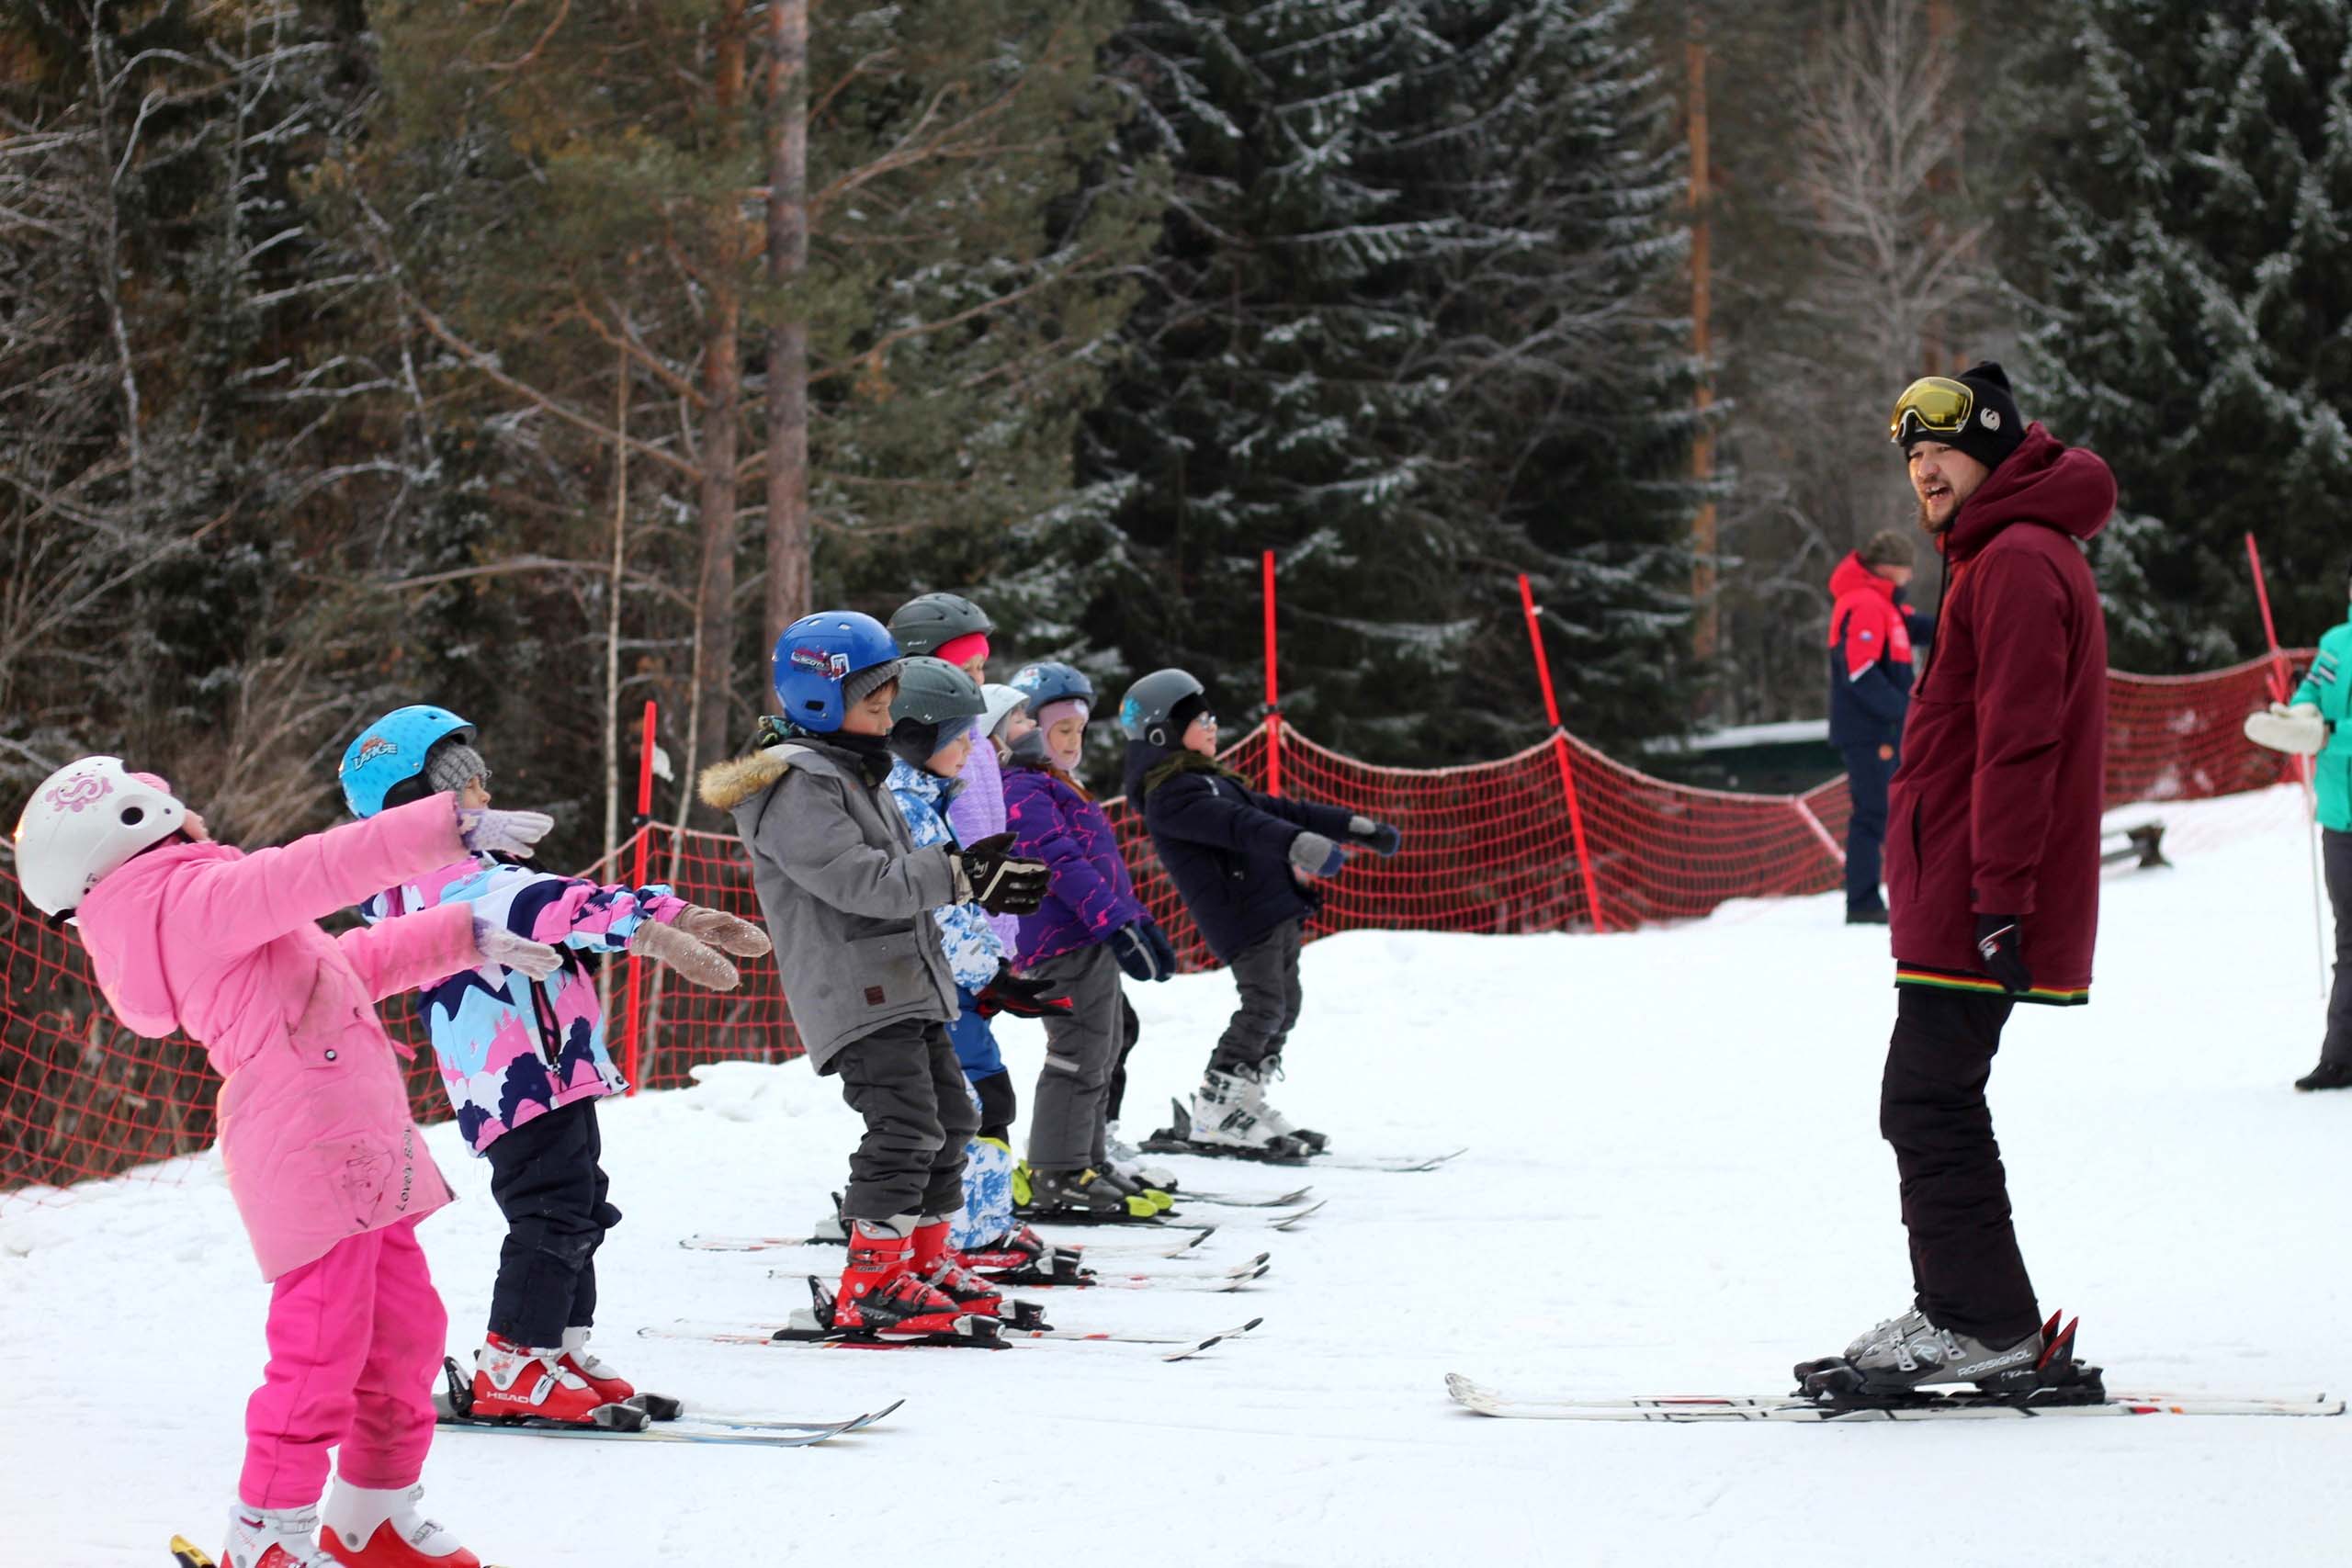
(84, 821)
(997, 703)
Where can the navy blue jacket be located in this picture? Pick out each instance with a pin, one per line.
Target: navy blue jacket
(1226, 846)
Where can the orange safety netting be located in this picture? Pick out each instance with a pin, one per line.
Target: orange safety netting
(1489, 846)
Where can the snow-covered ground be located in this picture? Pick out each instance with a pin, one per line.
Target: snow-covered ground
(1675, 1184)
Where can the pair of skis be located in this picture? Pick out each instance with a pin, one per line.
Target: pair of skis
(1694, 1408)
(646, 1418)
(1170, 1347)
(1219, 1282)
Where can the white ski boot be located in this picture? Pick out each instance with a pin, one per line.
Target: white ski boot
(1253, 1081)
(274, 1538)
(1223, 1117)
(366, 1528)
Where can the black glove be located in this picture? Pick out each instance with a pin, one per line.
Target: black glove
(1001, 884)
(1382, 839)
(2000, 938)
(1023, 999)
(1143, 950)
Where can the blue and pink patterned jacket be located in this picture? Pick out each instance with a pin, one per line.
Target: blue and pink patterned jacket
(965, 935)
(512, 1049)
(1089, 894)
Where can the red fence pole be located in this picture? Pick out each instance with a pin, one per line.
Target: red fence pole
(1273, 690)
(1560, 751)
(644, 834)
(2280, 684)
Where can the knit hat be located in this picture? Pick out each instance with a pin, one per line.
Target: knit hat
(452, 764)
(1061, 708)
(1993, 428)
(1888, 547)
(860, 685)
(959, 651)
(1187, 709)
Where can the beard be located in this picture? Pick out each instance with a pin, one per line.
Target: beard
(1927, 522)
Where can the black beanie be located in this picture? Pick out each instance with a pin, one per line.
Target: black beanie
(1994, 427)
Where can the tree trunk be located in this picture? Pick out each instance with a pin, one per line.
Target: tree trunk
(787, 381)
(1706, 637)
(723, 380)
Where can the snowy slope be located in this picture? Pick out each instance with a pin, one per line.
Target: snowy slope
(1675, 1185)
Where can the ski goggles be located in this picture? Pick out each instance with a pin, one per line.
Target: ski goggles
(1932, 405)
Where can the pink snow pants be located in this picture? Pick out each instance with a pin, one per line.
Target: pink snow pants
(356, 1340)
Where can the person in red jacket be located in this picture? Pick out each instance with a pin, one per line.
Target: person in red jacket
(1992, 864)
(1873, 635)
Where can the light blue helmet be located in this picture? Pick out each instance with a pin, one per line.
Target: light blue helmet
(1049, 681)
(385, 766)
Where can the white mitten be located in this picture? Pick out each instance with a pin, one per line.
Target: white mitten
(2298, 730)
(497, 945)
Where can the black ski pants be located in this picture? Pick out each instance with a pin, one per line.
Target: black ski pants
(545, 1179)
(1867, 776)
(1266, 974)
(1133, 1029)
(2335, 854)
(905, 1080)
(1966, 1271)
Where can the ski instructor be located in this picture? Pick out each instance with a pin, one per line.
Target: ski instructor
(1992, 862)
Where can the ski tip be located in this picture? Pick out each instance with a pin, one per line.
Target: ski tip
(1248, 1327)
(187, 1554)
(886, 1410)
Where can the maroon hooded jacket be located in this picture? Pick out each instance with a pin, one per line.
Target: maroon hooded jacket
(1996, 808)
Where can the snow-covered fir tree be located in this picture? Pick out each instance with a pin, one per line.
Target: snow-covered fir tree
(2191, 254)
(1395, 331)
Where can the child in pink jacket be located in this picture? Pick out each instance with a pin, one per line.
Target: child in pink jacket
(329, 1173)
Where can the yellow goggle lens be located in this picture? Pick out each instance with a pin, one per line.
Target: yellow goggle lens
(1933, 405)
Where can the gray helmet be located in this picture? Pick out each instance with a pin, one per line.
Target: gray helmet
(936, 703)
(925, 623)
(1146, 710)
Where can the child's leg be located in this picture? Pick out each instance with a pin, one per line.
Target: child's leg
(1080, 1049)
(959, 1122)
(1117, 1015)
(392, 1426)
(888, 1080)
(321, 1320)
(584, 1289)
(1293, 995)
(1000, 1105)
(1131, 1029)
(545, 1180)
(1265, 997)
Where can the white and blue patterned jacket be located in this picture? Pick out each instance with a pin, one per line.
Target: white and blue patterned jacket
(974, 951)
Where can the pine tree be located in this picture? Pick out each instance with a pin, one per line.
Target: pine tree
(1394, 332)
(2191, 254)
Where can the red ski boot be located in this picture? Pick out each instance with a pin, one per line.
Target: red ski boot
(272, 1537)
(1021, 1257)
(880, 1293)
(941, 1268)
(519, 1381)
(610, 1387)
(370, 1528)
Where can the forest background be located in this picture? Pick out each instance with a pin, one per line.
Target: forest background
(538, 358)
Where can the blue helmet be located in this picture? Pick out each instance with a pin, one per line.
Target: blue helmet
(1050, 681)
(816, 654)
(390, 752)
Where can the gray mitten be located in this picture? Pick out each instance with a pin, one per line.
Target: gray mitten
(1312, 854)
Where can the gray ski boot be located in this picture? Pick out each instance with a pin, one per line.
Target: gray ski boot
(1898, 1360)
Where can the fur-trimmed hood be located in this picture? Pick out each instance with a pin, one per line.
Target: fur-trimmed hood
(726, 785)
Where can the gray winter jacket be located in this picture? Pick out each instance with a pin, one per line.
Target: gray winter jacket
(848, 897)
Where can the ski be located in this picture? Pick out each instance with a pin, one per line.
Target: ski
(1236, 1201)
(1185, 1346)
(186, 1553)
(1394, 1164)
(648, 1416)
(1691, 1407)
(1222, 1281)
(702, 1242)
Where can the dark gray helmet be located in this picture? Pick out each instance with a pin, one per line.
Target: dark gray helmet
(1145, 710)
(931, 691)
(922, 623)
(936, 701)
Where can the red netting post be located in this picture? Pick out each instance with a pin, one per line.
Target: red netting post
(1560, 751)
(644, 835)
(1273, 690)
(2304, 773)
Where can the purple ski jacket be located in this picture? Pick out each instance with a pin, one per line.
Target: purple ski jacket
(978, 812)
(1089, 894)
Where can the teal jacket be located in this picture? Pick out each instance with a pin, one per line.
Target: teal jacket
(2329, 684)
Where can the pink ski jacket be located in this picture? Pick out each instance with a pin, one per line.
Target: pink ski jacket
(314, 1125)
